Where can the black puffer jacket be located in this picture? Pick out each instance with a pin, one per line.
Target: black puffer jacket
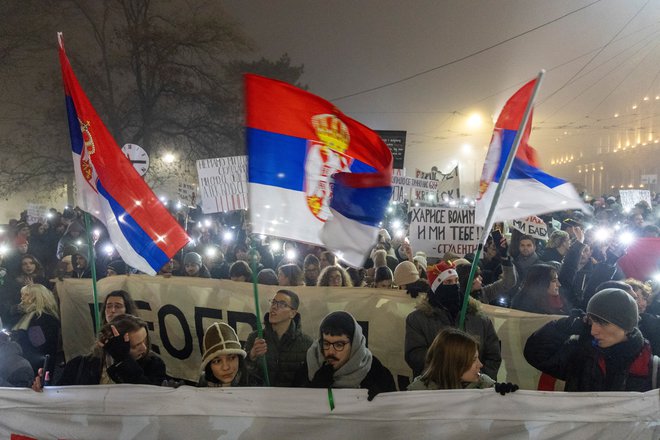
(564, 349)
(284, 356)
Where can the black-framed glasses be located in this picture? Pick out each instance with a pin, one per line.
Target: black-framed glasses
(338, 345)
(279, 304)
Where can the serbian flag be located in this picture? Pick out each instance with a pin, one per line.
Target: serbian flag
(528, 190)
(140, 227)
(315, 175)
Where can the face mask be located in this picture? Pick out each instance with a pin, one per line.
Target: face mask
(447, 296)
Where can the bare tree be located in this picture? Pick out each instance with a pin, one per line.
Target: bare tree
(160, 74)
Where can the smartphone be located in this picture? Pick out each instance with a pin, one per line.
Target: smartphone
(45, 374)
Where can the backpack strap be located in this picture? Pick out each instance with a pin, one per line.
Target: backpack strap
(654, 373)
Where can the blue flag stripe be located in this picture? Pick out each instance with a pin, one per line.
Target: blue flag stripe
(134, 234)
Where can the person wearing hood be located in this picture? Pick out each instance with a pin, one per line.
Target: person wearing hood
(73, 234)
(283, 344)
(441, 309)
(340, 359)
(15, 370)
(602, 350)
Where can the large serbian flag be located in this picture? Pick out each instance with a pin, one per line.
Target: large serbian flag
(315, 175)
(140, 227)
(528, 190)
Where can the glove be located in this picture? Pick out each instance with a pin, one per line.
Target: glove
(118, 348)
(172, 383)
(324, 377)
(503, 388)
(371, 393)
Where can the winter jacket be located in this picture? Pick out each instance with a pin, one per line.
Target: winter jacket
(87, 370)
(484, 382)
(284, 356)
(649, 325)
(424, 323)
(40, 339)
(378, 379)
(564, 349)
(15, 370)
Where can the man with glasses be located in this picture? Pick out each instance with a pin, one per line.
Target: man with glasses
(340, 359)
(284, 344)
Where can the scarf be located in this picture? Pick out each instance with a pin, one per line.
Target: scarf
(447, 296)
(353, 372)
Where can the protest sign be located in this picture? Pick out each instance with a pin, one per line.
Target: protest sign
(187, 193)
(36, 212)
(398, 190)
(531, 225)
(450, 186)
(223, 183)
(629, 197)
(437, 231)
(396, 142)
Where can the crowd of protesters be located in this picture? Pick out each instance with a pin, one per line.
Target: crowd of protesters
(607, 342)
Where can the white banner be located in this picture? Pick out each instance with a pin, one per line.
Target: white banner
(223, 183)
(148, 412)
(440, 230)
(629, 197)
(531, 225)
(178, 310)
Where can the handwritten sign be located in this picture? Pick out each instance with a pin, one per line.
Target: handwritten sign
(630, 197)
(437, 231)
(223, 183)
(531, 225)
(398, 191)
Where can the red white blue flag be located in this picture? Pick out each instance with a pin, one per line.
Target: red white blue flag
(315, 175)
(140, 227)
(528, 190)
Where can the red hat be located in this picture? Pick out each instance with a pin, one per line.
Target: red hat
(440, 272)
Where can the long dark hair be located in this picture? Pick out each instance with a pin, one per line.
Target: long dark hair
(536, 284)
(129, 304)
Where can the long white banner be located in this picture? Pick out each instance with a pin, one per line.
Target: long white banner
(178, 310)
(146, 412)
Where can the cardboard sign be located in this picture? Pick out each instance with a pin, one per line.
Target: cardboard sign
(36, 213)
(398, 190)
(223, 183)
(531, 225)
(437, 231)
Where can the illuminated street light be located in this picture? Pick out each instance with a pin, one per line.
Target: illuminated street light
(474, 121)
(169, 158)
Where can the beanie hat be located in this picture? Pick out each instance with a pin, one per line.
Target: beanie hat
(405, 273)
(420, 257)
(337, 323)
(615, 306)
(440, 272)
(380, 258)
(117, 266)
(557, 238)
(220, 339)
(192, 258)
(461, 261)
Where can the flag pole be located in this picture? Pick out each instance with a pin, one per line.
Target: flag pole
(498, 190)
(255, 290)
(92, 264)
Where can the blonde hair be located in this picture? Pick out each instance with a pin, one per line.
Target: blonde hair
(44, 300)
(450, 355)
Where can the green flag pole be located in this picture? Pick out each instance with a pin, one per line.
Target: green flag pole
(92, 264)
(498, 191)
(260, 330)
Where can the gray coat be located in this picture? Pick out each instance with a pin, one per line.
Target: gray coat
(424, 323)
(15, 370)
